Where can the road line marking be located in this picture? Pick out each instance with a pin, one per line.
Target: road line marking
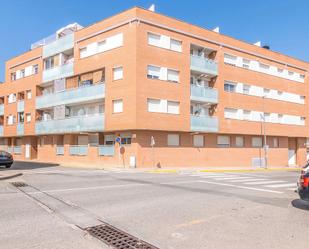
(250, 180)
(109, 186)
(243, 187)
(233, 178)
(265, 182)
(281, 185)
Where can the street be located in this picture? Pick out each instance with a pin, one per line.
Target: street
(186, 210)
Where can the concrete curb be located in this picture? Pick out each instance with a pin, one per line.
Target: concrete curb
(10, 176)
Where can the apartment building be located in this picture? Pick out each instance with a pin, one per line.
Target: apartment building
(140, 89)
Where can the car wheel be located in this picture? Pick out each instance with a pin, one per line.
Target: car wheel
(8, 165)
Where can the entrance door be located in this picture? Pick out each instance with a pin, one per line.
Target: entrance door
(292, 157)
(28, 151)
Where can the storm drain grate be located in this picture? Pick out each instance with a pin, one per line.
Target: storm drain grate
(117, 238)
(19, 184)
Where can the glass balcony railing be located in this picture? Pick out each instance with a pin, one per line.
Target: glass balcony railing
(93, 123)
(204, 65)
(78, 150)
(204, 123)
(58, 45)
(204, 94)
(106, 150)
(1, 109)
(20, 129)
(1, 131)
(62, 71)
(20, 106)
(71, 96)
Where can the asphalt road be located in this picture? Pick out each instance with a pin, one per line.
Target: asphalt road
(183, 211)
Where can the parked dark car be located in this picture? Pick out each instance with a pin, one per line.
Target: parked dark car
(6, 159)
(303, 183)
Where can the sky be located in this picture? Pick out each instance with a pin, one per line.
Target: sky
(281, 24)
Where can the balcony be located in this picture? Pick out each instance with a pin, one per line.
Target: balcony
(204, 123)
(204, 94)
(76, 95)
(78, 150)
(20, 129)
(1, 131)
(92, 123)
(58, 45)
(63, 71)
(204, 65)
(20, 106)
(1, 109)
(106, 150)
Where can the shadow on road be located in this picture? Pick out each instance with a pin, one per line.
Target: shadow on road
(300, 204)
(20, 165)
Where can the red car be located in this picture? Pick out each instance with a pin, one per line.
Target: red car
(303, 183)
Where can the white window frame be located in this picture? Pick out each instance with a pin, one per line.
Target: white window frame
(176, 47)
(118, 75)
(119, 108)
(172, 107)
(156, 70)
(173, 78)
(28, 117)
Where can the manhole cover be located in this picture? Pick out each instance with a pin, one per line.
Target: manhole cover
(117, 238)
(19, 184)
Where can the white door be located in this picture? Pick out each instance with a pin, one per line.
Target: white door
(28, 151)
(292, 157)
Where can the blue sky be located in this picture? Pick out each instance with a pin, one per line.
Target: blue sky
(284, 25)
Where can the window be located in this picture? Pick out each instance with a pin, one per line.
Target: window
(223, 141)
(173, 140)
(126, 138)
(172, 107)
(118, 73)
(153, 39)
(83, 52)
(266, 91)
(20, 117)
(257, 142)
(109, 139)
(290, 73)
(276, 142)
(239, 141)
(35, 69)
(230, 59)
(28, 94)
(94, 139)
(101, 45)
(12, 98)
(280, 118)
(153, 72)
(28, 117)
(302, 76)
(154, 105)
(245, 63)
(247, 115)
(279, 70)
(229, 86)
(49, 63)
(267, 116)
(13, 76)
(246, 89)
(10, 119)
(22, 73)
(230, 113)
(175, 45)
(117, 106)
(264, 67)
(173, 75)
(198, 140)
